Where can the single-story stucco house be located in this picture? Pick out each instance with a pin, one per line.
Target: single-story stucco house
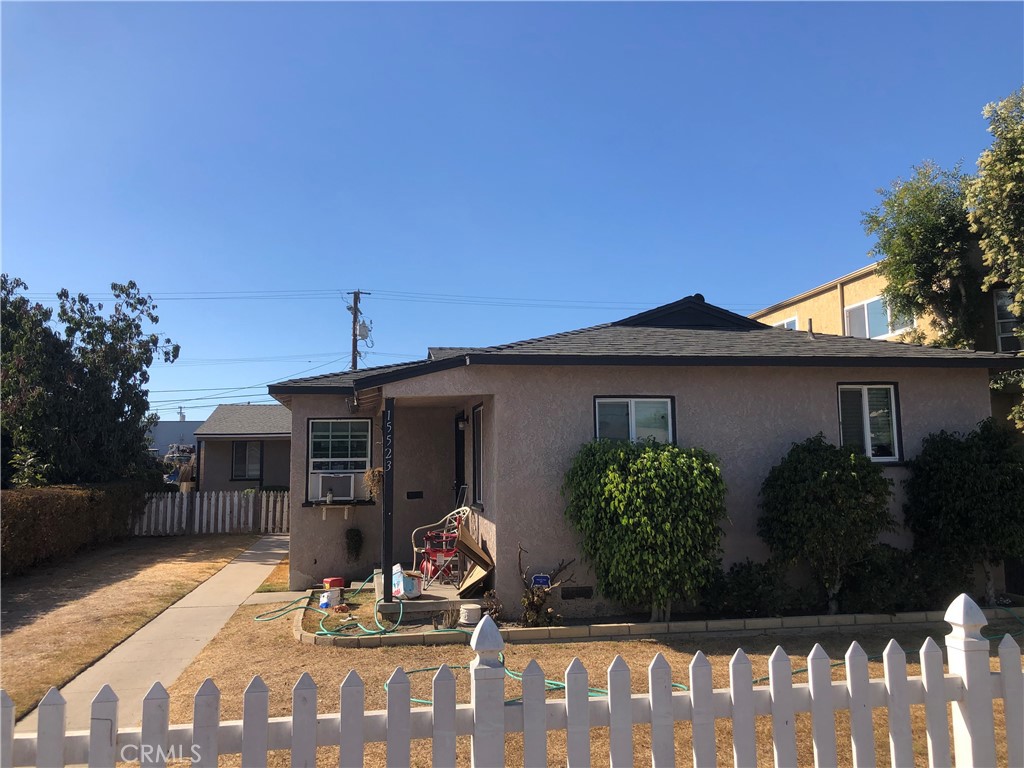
(244, 446)
(507, 420)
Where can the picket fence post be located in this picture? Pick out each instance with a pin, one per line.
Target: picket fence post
(968, 655)
(487, 694)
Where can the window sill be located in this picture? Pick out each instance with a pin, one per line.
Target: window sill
(352, 503)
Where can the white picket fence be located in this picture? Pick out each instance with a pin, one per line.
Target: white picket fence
(173, 514)
(969, 685)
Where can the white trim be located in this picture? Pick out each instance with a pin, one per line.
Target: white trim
(888, 315)
(999, 334)
(866, 419)
(369, 449)
(795, 320)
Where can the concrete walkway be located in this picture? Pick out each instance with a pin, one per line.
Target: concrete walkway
(163, 648)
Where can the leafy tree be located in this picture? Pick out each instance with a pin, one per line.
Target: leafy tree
(996, 196)
(925, 242)
(995, 199)
(74, 401)
(649, 517)
(965, 498)
(824, 506)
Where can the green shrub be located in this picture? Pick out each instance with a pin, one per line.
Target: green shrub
(891, 580)
(649, 519)
(825, 507)
(965, 498)
(41, 524)
(750, 590)
(273, 488)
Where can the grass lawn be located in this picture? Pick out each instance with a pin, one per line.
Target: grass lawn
(271, 651)
(277, 581)
(59, 619)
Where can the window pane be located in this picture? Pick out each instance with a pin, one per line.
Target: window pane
(613, 420)
(878, 318)
(880, 418)
(855, 323)
(851, 419)
(1003, 307)
(651, 420)
(252, 464)
(238, 460)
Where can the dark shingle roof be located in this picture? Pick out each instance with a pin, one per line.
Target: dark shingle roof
(254, 420)
(686, 332)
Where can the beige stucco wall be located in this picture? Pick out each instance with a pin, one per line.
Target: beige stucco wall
(539, 416)
(424, 462)
(215, 465)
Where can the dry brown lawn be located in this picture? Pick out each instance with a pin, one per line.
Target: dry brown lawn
(277, 581)
(60, 619)
(271, 651)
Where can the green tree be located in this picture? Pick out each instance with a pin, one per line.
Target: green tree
(965, 498)
(925, 242)
(649, 516)
(824, 506)
(74, 399)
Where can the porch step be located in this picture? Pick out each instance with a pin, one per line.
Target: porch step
(437, 598)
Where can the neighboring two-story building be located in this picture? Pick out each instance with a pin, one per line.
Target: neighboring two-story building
(852, 305)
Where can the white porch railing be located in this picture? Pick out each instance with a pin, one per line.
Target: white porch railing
(174, 514)
(969, 685)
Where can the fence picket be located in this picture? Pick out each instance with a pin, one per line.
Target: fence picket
(285, 502)
(780, 686)
(535, 735)
(443, 712)
(205, 724)
(659, 692)
(823, 718)
(351, 701)
(858, 687)
(620, 714)
(6, 731)
(263, 512)
(901, 745)
(703, 712)
(304, 722)
(155, 727)
(50, 747)
(936, 725)
(103, 729)
(255, 731)
(1012, 677)
(399, 730)
(741, 692)
(577, 715)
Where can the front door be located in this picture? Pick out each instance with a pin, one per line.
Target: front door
(459, 483)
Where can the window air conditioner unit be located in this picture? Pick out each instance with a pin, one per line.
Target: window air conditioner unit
(342, 487)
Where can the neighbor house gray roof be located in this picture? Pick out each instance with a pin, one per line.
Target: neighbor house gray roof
(687, 332)
(247, 421)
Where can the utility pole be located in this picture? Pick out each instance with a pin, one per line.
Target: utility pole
(354, 309)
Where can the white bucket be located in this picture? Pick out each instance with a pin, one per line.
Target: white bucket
(469, 614)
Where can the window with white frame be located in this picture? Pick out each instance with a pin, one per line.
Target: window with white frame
(1007, 323)
(789, 325)
(867, 420)
(246, 458)
(339, 445)
(634, 418)
(872, 319)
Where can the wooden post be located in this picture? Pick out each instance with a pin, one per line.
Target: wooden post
(388, 505)
(103, 729)
(255, 714)
(6, 731)
(487, 694)
(968, 654)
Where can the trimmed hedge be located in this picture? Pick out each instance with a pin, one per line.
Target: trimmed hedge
(41, 524)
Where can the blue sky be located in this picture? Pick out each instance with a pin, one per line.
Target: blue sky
(489, 172)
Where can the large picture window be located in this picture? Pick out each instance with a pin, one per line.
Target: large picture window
(867, 420)
(246, 459)
(872, 320)
(634, 418)
(339, 445)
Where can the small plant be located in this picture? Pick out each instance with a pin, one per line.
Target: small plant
(535, 598)
(491, 605)
(373, 481)
(353, 543)
(446, 619)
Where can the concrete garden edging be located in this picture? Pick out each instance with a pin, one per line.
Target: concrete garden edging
(639, 630)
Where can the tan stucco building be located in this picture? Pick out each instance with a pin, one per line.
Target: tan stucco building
(507, 420)
(244, 446)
